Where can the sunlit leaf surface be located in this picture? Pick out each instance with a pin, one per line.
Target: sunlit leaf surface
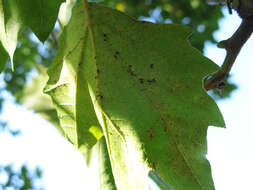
(144, 82)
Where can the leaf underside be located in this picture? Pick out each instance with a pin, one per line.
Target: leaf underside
(140, 85)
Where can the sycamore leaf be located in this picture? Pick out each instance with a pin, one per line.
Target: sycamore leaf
(99, 158)
(69, 92)
(65, 12)
(33, 98)
(145, 83)
(40, 16)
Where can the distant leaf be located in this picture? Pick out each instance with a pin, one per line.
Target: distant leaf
(3, 57)
(40, 15)
(145, 82)
(34, 99)
(9, 26)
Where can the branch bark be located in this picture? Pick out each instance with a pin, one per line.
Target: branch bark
(233, 46)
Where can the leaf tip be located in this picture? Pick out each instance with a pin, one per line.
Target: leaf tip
(12, 64)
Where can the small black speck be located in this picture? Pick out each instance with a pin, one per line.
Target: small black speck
(98, 71)
(154, 165)
(116, 55)
(141, 80)
(221, 84)
(151, 81)
(100, 96)
(129, 70)
(151, 66)
(105, 37)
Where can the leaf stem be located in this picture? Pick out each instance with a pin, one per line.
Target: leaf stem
(161, 184)
(233, 46)
(54, 38)
(86, 8)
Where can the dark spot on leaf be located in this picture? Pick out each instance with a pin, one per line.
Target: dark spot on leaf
(154, 166)
(150, 81)
(98, 71)
(116, 55)
(100, 96)
(141, 80)
(105, 37)
(151, 66)
(221, 84)
(130, 70)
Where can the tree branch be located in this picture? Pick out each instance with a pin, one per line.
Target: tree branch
(233, 46)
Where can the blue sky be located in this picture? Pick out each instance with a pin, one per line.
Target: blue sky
(229, 150)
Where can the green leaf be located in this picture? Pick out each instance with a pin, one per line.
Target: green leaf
(40, 15)
(145, 82)
(34, 99)
(3, 58)
(69, 91)
(99, 158)
(9, 26)
(65, 12)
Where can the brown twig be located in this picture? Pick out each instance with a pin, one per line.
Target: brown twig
(233, 46)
